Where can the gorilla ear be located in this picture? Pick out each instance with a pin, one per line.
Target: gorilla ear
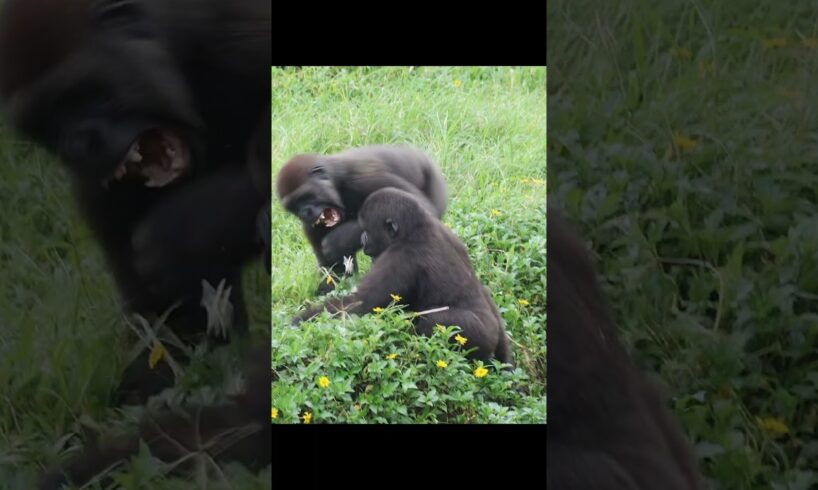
(391, 227)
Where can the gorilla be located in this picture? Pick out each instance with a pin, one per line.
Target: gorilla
(421, 260)
(160, 112)
(326, 193)
(608, 426)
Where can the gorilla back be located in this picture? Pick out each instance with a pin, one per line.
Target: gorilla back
(608, 425)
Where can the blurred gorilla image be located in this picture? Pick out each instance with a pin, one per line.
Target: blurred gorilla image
(159, 110)
(608, 425)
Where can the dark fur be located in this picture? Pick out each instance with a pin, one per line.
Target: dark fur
(84, 78)
(421, 260)
(608, 426)
(344, 181)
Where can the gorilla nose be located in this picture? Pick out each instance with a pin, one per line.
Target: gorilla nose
(309, 213)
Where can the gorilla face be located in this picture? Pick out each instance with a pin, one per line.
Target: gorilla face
(316, 202)
(375, 239)
(114, 108)
(387, 220)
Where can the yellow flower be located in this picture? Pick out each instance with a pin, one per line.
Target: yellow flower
(307, 417)
(522, 302)
(274, 413)
(357, 406)
(775, 42)
(442, 364)
(377, 309)
(392, 356)
(682, 54)
(157, 354)
(460, 339)
(481, 372)
(684, 142)
(395, 297)
(323, 382)
(440, 328)
(496, 212)
(330, 280)
(458, 83)
(773, 426)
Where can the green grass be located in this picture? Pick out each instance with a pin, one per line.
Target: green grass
(487, 129)
(684, 144)
(63, 341)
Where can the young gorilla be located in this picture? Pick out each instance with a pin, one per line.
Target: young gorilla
(326, 193)
(154, 106)
(608, 427)
(421, 260)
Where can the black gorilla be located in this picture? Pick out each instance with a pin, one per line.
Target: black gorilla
(158, 109)
(608, 427)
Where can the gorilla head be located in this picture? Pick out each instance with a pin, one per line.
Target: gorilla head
(72, 92)
(392, 216)
(307, 188)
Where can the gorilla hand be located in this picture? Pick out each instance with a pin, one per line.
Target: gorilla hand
(205, 228)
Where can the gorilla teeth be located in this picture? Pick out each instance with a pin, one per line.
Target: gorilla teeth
(121, 171)
(329, 218)
(134, 155)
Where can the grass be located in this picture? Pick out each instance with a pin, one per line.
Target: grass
(63, 341)
(683, 142)
(487, 129)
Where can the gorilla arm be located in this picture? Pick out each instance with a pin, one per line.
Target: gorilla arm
(209, 226)
(390, 274)
(343, 241)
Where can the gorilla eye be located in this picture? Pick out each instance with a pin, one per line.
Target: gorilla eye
(318, 171)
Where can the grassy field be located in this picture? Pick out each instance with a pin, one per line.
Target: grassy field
(684, 143)
(63, 340)
(487, 129)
